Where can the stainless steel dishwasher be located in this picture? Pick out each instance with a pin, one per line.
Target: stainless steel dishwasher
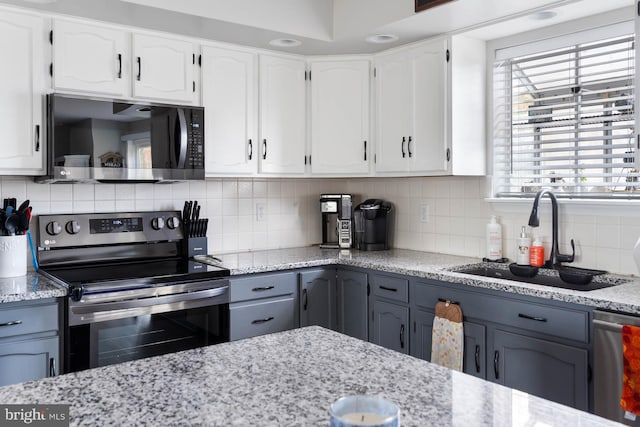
(608, 364)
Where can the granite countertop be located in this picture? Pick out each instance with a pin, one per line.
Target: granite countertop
(288, 378)
(29, 287)
(623, 297)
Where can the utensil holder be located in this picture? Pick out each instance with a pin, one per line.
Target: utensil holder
(193, 246)
(13, 256)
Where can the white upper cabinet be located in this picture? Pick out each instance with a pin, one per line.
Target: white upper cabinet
(430, 109)
(163, 68)
(90, 58)
(394, 112)
(282, 115)
(229, 96)
(340, 116)
(22, 84)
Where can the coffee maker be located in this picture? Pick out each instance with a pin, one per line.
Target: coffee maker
(372, 220)
(336, 220)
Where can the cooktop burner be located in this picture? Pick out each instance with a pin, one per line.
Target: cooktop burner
(143, 272)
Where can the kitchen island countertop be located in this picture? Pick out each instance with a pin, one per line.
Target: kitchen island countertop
(288, 378)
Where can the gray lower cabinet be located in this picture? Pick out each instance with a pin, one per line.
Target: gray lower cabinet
(318, 298)
(540, 367)
(540, 347)
(389, 319)
(391, 326)
(263, 304)
(28, 360)
(352, 303)
(475, 338)
(29, 340)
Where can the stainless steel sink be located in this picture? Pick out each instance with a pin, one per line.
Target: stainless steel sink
(546, 277)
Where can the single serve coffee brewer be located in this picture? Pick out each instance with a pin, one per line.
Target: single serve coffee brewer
(336, 210)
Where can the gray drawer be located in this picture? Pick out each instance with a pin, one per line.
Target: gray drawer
(27, 319)
(263, 286)
(390, 287)
(250, 319)
(534, 316)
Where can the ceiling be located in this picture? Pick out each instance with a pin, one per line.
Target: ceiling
(327, 26)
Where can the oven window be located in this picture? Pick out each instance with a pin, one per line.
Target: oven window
(115, 341)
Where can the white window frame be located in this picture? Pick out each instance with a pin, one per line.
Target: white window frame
(539, 40)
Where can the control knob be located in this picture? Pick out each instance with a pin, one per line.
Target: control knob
(53, 228)
(157, 223)
(72, 227)
(173, 222)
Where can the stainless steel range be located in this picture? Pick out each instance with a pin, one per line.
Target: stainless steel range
(132, 293)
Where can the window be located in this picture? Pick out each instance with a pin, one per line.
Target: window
(564, 118)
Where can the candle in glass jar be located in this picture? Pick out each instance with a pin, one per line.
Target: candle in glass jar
(351, 411)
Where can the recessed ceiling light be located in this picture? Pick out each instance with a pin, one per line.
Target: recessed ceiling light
(382, 38)
(543, 14)
(285, 42)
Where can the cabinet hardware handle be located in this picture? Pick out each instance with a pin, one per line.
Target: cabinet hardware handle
(402, 147)
(478, 358)
(496, 360)
(37, 138)
(52, 367)
(449, 301)
(119, 65)
(384, 288)
(448, 154)
(262, 288)
(250, 149)
(12, 323)
(139, 68)
(365, 151)
(402, 336)
(537, 319)
(259, 321)
(264, 151)
(409, 147)
(305, 300)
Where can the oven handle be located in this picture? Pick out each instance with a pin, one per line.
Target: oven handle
(149, 302)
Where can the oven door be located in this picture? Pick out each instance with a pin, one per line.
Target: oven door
(112, 327)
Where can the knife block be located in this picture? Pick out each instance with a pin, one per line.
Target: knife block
(192, 246)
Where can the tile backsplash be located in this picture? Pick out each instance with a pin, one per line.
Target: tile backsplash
(438, 214)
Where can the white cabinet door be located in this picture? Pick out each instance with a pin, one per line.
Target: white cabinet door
(340, 117)
(229, 95)
(394, 111)
(282, 115)
(429, 140)
(90, 59)
(163, 68)
(22, 74)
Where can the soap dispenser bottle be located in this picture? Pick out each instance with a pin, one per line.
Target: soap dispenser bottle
(494, 240)
(524, 243)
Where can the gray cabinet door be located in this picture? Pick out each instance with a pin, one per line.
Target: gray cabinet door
(543, 368)
(318, 298)
(474, 342)
(352, 304)
(391, 326)
(28, 360)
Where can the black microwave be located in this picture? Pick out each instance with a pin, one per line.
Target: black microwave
(100, 140)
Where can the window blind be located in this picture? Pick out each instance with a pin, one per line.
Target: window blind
(564, 119)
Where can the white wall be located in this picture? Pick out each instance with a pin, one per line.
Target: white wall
(456, 224)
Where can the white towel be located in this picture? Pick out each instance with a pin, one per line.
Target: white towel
(447, 339)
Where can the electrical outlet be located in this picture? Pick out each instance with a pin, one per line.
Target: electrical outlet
(261, 212)
(424, 213)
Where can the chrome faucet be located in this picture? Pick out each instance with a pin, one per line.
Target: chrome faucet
(555, 257)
